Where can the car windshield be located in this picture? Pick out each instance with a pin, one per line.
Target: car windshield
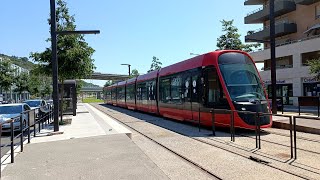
(33, 103)
(10, 109)
(241, 77)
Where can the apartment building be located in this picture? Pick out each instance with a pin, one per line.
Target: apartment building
(297, 30)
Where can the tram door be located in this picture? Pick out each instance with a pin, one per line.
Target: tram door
(191, 98)
(152, 96)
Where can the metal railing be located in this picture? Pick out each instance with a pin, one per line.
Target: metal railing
(257, 129)
(34, 120)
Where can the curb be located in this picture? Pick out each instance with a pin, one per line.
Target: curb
(280, 125)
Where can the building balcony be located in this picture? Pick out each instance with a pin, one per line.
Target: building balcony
(306, 2)
(281, 29)
(254, 2)
(262, 14)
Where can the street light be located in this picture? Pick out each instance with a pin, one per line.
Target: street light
(54, 59)
(128, 67)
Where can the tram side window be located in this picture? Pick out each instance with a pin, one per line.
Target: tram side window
(108, 94)
(144, 91)
(139, 91)
(121, 93)
(176, 88)
(114, 93)
(130, 92)
(165, 96)
(152, 90)
(214, 95)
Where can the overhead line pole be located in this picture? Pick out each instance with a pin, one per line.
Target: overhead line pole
(273, 58)
(54, 62)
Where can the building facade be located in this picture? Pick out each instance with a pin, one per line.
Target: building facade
(297, 30)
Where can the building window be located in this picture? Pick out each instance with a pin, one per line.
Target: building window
(284, 91)
(281, 63)
(309, 56)
(317, 14)
(311, 89)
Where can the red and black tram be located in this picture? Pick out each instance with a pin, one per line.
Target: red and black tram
(186, 90)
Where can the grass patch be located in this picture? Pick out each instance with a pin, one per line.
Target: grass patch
(92, 100)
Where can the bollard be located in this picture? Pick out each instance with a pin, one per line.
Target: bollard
(11, 144)
(21, 132)
(34, 124)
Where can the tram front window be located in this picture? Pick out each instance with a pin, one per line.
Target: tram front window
(241, 77)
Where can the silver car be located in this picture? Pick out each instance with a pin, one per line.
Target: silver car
(9, 111)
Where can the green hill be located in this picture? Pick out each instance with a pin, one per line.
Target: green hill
(19, 61)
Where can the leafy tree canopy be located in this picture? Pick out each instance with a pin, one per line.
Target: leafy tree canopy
(134, 73)
(74, 54)
(231, 38)
(315, 67)
(156, 64)
(6, 75)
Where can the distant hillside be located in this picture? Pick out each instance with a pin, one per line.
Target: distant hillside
(86, 84)
(19, 61)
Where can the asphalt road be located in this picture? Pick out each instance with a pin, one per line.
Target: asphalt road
(5, 140)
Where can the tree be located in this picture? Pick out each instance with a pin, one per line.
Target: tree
(134, 73)
(22, 83)
(6, 75)
(46, 89)
(315, 67)
(74, 54)
(231, 38)
(34, 85)
(108, 83)
(156, 64)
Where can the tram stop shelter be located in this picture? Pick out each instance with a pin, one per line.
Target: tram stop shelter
(69, 96)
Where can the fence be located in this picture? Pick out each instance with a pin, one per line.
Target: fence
(23, 123)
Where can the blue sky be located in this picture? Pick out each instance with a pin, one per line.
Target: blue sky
(132, 31)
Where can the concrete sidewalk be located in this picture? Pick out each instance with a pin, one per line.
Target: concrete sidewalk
(94, 146)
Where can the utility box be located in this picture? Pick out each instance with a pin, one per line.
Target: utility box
(69, 97)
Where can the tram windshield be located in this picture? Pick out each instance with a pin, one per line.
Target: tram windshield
(241, 77)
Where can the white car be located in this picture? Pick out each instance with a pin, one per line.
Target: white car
(9, 111)
(36, 104)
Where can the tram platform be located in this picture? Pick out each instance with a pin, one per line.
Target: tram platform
(302, 124)
(93, 146)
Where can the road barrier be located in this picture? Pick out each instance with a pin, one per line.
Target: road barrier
(44, 115)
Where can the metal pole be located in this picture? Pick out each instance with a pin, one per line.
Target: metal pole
(291, 143)
(11, 139)
(199, 124)
(29, 138)
(129, 70)
(273, 58)
(21, 133)
(213, 120)
(54, 61)
(295, 137)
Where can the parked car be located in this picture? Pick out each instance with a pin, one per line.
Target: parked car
(9, 111)
(37, 104)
